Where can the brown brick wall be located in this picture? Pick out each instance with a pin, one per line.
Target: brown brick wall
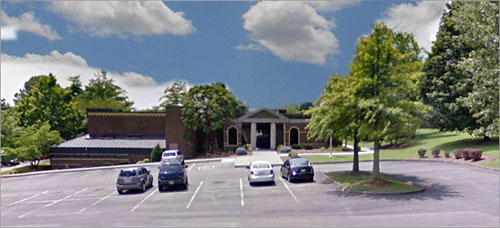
(126, 125)
(176, 134)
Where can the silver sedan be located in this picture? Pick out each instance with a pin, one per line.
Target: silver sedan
(260, 171)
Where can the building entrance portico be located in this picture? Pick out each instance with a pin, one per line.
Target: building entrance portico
(267, 129)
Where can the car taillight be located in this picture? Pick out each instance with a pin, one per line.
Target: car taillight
(293, 170)
(182, 175)
(118, 181)
(138, 179)
(312, 170)
(159, 176)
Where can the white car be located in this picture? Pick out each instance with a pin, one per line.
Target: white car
(171, 156)
(260, 171)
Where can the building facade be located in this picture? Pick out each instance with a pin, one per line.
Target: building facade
(118, 137)
(267, 129)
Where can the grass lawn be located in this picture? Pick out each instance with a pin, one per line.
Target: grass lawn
(45, 165)
(361, 182)
(427, 139)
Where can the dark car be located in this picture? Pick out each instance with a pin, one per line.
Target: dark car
(172, 174)
(297, 168)
(136, 178)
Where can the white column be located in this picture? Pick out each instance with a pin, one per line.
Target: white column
(273, 136)
(253, 135)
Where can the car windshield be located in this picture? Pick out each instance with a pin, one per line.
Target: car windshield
(127, 173)
(300, 162)
(169, 154)
(261, 166)
(171, 168)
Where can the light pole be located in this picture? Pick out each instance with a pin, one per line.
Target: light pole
(331, 144)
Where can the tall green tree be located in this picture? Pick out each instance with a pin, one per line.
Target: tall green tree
(291, 109)
(10, 127)
(383, 77)
(101, 92)
(337, 114)
(44, 101)
(479, 23)
(33, 143)
(207, 108)
(445, 82)
(174, 94)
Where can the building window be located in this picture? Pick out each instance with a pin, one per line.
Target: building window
(294, 136)
(232, 135)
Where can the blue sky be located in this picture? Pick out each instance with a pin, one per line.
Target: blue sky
(268, 53)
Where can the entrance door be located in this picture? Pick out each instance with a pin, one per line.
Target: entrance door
(263, 136)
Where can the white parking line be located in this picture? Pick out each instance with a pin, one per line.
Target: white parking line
(194, 195)
(31, 197)
(96, 202)
(54, 202)
(89, 172)
(191, 166)
(142, 201)
(289, 190)
(241, 190)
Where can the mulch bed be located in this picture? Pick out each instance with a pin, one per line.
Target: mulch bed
(398, 146)
(484, 158)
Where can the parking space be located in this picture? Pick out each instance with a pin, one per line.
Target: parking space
(215, 191)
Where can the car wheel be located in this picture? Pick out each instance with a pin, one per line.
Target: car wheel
(160, 188)
(143, 187)
(120, 192)
(311, 179)
(289, 178)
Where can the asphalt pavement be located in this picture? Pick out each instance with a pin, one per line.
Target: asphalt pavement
(218, 195)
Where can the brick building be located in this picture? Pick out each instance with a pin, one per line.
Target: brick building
(118, 137)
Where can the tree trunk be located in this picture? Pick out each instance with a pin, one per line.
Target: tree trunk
(376, 160)
(355, 162)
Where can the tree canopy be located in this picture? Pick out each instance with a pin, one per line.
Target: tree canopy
(208, 107)
(44, 101)
(174, 95)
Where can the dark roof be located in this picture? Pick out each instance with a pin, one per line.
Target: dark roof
(86, 141)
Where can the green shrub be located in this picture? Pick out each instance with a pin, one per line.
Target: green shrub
(122, 162)
(293, 154)
(156, 153)
(241, 151)
(421, 153)
(435, 152)
(139, 162)
(322, 148)
(107, 163)
(296, 146)
(447, 154)
(458, 153)
(146, 160)
(474, 154)
(248, 146)
(308, 146)
(278, 149)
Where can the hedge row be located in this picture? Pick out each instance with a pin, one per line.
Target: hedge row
(467, 153)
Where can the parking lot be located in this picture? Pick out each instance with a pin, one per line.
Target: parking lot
(221, 196)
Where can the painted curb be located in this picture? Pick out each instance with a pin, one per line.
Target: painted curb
(102, 168)
(347, 190)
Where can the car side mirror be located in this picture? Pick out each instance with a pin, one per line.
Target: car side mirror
(248, 167)
(185, 166)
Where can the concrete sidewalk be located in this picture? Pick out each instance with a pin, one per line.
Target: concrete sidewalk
(258, 155)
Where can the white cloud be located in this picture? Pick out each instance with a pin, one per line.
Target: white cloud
(249, 47)
(330, 6)
(9, 33)
(15, 71)
(27, 22)
(292, 31)
(421, 19)
(105, 18)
